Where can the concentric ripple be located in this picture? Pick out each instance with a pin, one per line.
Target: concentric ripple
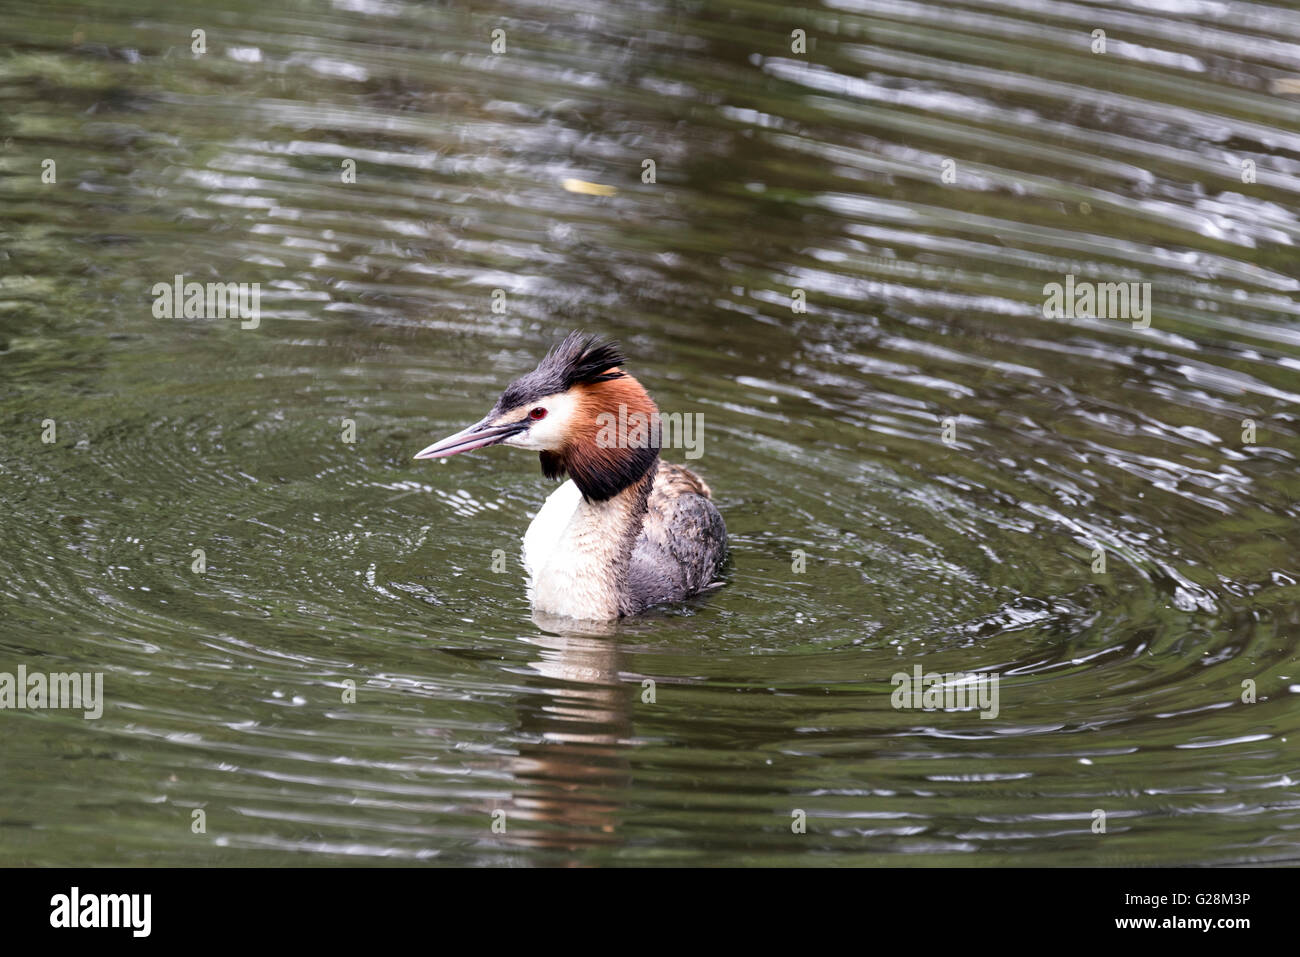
(841, 264)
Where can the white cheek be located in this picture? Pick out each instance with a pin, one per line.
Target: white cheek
(550, 432)
(545, 434)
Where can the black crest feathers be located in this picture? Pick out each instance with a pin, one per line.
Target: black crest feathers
(580, 358)
(583, 357)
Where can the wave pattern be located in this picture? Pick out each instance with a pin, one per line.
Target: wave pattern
(842, 263)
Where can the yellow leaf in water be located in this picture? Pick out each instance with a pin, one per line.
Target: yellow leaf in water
(590, 189)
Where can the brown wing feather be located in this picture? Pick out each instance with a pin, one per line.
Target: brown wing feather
(683, 542)
(677, 480)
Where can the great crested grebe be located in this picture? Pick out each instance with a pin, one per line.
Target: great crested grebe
(627, 530)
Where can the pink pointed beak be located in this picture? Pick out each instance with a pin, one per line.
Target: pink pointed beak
(477, 436)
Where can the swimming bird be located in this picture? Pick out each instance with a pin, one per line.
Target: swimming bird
(627, 530)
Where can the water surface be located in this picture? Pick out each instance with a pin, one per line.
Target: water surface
(918, 468)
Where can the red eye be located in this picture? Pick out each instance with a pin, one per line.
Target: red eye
(537, 413)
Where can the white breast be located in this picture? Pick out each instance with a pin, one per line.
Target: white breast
(569, 552)
(547, 530)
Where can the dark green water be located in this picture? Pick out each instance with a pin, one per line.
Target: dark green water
(329, 561)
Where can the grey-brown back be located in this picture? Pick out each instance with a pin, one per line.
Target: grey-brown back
(682, 544)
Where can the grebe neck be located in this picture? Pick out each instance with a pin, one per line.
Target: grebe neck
(583, 573)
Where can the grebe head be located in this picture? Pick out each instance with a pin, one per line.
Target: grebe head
(569, 409)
